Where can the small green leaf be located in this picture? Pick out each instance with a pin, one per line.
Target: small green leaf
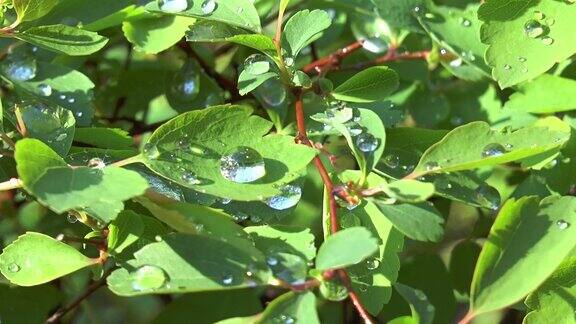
(521, 44)
(300, 241)
(401, 14)
(224, 12)
(546, 94)
(291, 308)
(372, 84)
(532, 235)
(422, 310)
(35, 258)
(189, 263)
(303, 28)
(210, 31)
(476, 145)
(107, 138)
(347, 247)
(64, 39)
(190, 154)
(409, 190)
(417, 221)
(28, 10)
(250, 79)
(153, 34)
(33, 158)
(124, 231)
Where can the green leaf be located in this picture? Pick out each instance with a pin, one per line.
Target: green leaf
(457, 31)
(35, 258)
(371, 84)
(401, 14)
(292, 307)
(186, 146)
(153, 34)
(210, 31)
(554, 300)
(53, 125)
(372, 130)
(28, 305)
(303, 28)
(466, 187)
(346, 247)
(299, 241)
(69, 89)
(476, 145)
(422, 310)
(124, 231)
(409, 190)
(532, 235)
(517, 55)
(225, 12)
(249, 79)
(64, 39)
(189, 263)
(545, 95)
(28, 10)
(417, 221)
(33, 158)
(108, 138)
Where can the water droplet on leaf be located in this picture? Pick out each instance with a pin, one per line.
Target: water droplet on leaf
(242, 165)
(562, 224)
(45, 90)
(367, 143)
(209, 6)
(547, 40)
(13, 267)
(173, 5)
(289, 197)
(533, 29)
(148, 278)
(493, 150)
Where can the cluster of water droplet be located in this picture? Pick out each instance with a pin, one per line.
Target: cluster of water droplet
(173, 6)
(539, 28)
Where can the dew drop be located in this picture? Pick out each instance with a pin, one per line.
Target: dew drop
(465, 22)
(375, 44)
(148, 278)
(521, 59)
(272, 92)
(487, 196)
(151, 151)
(256, 64)
(289, 197)
(209, 6)
(493, 150)
(392, 161)
(354, 129)
(271, 261)
(185, 85)
(190, 178)
(533, 29)
(285, 319)
(45, 90)
(13, 267)
(432, 166)
(71, 218)
(507, 67)
(61, 137)
(289, 61)
(372, 263)
(456, 62)
(547, 41)
(539, 15)
(20, 69)
(240, 217)
(242, 165)
(173, 5)
(225, 201)
(562, 224)
(367, 143)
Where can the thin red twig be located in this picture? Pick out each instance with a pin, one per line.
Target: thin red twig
(302, 137)
(391, 56)
(332, 60)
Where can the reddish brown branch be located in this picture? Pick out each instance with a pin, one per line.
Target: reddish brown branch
(333, 60)
(302, 137)
(391, 56)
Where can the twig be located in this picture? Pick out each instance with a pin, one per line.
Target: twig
(87, 293)
(11, 184)
(302, 137)
(333, 60)
(7, 140)
(391, 56)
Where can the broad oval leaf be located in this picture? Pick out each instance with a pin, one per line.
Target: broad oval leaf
(185, 147)
(35, 258)
(224, 11)
(417, 221)
(409, 190)
(527, 242)
(346, 247)
(518, 50)
(372, 84)
(303, 28)
(155, 34)
(64, 39)
(476, 145)
(545, 95)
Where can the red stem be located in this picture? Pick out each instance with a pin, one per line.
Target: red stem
(334, 59)
(302, 137)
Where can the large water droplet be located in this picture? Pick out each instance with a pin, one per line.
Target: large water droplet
(45, 90)
(185, 85)
(334, 290)
(148, 278)
(151, 151)
(562, 224)
(488, 196)
(272, 92)
(173, 5)
(256, 64)
(209, 6)
(376, 44)
(242, 165)
(13, 267)
(493, 150)
(547, 40)
(372, 263)
(367, 143)
(533, 29)
(289, 197)
(20, 68)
